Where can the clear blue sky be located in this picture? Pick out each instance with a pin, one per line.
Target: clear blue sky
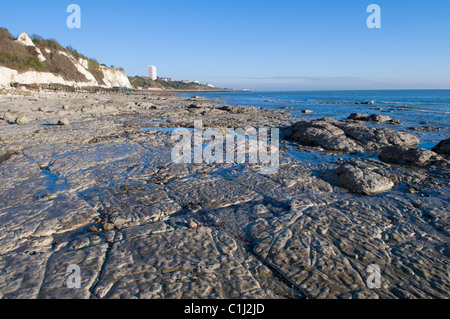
(255, 44)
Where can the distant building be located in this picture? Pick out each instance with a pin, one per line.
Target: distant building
(152, 73)
(163, 79)
(210, 85)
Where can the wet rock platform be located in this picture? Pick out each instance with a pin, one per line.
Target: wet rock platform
(89, 181)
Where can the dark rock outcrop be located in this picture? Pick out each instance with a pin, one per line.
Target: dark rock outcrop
(346, 137)
(359, 177)
(443, 147)
(324, 134)
(376, 118)
(405, 155)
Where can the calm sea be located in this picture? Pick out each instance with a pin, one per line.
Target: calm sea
(413, 108)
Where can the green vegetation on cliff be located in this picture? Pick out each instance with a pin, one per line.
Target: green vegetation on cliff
(17, 56)
(144, 82)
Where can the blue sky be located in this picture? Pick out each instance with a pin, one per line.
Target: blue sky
(255, 44)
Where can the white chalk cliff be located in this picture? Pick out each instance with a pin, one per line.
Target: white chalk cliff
(111, 77)
(26, 40)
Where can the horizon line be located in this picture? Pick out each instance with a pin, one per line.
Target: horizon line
(328, 90)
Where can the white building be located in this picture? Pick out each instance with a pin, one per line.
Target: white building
(152, 73)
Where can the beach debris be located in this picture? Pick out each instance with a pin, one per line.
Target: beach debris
(195, 106)
(197, 98)
(119, 221)
(63, 121)
(9, 117)
(412, 190)
(94, 229)
(358, 117)
(425, 128)
(108, 226)
(307, 111)
(44, 109)
(365, 103)
(22, 120)
(192, 224)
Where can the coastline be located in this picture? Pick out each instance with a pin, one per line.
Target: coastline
(102, 192)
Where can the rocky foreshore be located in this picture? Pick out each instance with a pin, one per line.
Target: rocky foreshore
(88, 180)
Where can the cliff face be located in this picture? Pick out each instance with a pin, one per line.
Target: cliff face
(52, 64)
(115, 77)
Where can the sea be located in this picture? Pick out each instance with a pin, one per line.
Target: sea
(425, 113)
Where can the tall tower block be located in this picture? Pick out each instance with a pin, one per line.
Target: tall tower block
(152, 73)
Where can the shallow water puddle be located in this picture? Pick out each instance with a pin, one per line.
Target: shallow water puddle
(51, 180)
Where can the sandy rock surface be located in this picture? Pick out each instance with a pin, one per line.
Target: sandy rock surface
(103, 193)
